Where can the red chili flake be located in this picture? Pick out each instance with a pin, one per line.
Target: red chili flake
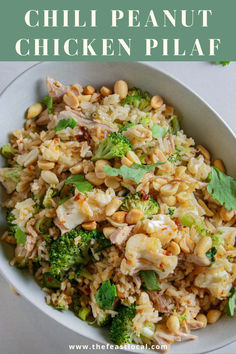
(83, 134)
(177, 222)
(79, 196)
(161, 266)
(168, 253)
(49, 280)
(88, 290)
(144, 195)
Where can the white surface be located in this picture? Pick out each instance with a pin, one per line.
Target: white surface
(24, 329)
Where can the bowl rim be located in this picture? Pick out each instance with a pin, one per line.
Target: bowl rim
(185, 86)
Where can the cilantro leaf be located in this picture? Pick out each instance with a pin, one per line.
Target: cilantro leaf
(171, 211)
(48, 102)
(222, 188)
(135, 172)
(80, 183)
(20, 235)
(158, 131)
(231, 303)
(124, 128)
(105, 295)
(211, 254)
(150, 280)
(65, 123)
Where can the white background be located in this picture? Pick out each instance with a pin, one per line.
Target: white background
(23, 328)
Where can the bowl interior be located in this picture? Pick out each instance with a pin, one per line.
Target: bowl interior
(200, 122)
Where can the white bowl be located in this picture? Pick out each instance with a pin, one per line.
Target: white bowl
(200, 122)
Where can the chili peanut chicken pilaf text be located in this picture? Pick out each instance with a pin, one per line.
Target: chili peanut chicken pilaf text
(119, 216)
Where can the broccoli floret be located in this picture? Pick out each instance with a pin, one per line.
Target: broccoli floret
(12, 227)
(145, 121)
(82, 271)
(13, 175)
(103, 319)
(122, 325)
(137, 99)
(114, 145)
(7, 152)
(65, 253)
(142, 202)
(101, 242)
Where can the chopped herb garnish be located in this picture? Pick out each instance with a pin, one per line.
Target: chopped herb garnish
(48, 102)
(211, 254)
(105, 295)
(171, 211)
(222, 188)
(80, 183)
(135, 172)
(65, 123)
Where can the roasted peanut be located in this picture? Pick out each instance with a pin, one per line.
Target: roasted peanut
(133, 216)
(213, 316)
(89, 90)
(119, 216)
(71, 99)
(126, 162)
(49, 177)
(112, 182)
(156, 102)
(113, 206)
(99, 168)
(202, 318)
(77, 168)
(172, 324)
(46, 165)
(186, 245)
(226, 215)
(34, 110)
(203, 246)
(121, 88)
(92, 178)
(205, 153)
(220, 165)
(169, 189)
(174, 248)
(105, 91)
(133, 157)
(92, 225)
